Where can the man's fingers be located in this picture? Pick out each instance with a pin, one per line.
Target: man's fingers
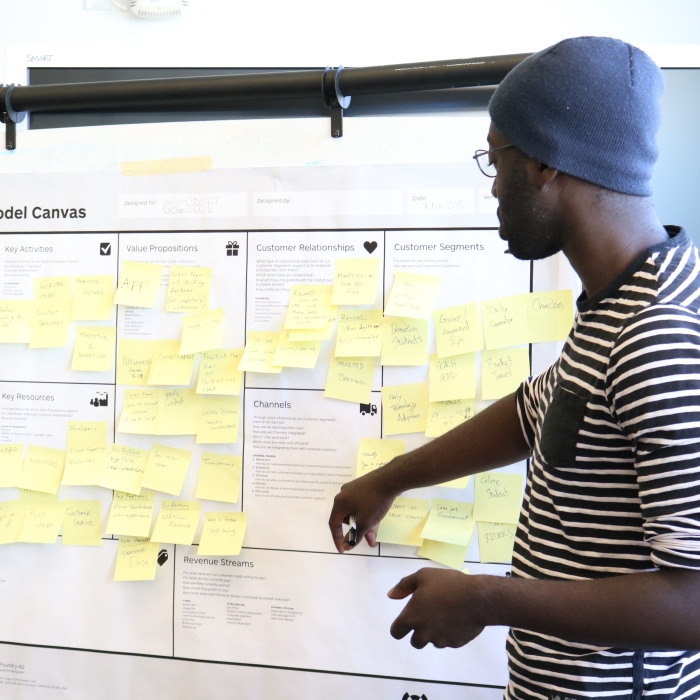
(371, 537)
(404, 588)
(335, 523)
(399, 627)
(418, 641)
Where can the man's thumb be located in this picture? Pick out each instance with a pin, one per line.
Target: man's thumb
(404, 588)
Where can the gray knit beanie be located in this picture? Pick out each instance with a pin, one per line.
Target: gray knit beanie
(590, 107)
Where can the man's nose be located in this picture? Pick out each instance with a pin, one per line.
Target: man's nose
(494, 190)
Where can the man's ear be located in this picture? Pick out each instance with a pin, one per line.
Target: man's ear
(540, 174)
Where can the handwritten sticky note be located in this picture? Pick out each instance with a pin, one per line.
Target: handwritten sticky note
(124, 468)
(42, 522)
(94, 349)
(169, 367)
(219, 477)
(505, 321)
(16, 319)
(404, 341)
(498, 497)
(449, 521)
(219, 373)
(359, 333)
(131, 514)
(496, 542)
(258, 353)
(138, 284)
(177, 522)
(452, 378)
(445, 415)
(82, 523)
(11, 461)
(309, 306)
(202, 331)
(54, 290)
(137, 559)
(87, 432)
(188, 289)
(412, 295)
(452, 555)
(458, 330)
(50, 322)
(374, 453)
(356, 281)
(461, 482)
(218, 419)
(502, 371)
(86, 453)
(324, 333)
(350, 379)
(178, 412)
(222, 534)
(550, 315)
(302, 354)
(405, 408)
(28, 496)
(42, 469)
(93, 298)
(404, 522)
(166, 469)
(134, 361)
(11, 517)
(139, 412)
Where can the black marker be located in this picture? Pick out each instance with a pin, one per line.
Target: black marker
(352, 532)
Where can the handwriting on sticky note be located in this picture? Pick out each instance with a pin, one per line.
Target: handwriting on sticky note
(449, 521)
(223, 534)
(452, 378)
(302, 354)
(496, 542)
(404, 341)
(93, 298)
(219, 477)
(82, 523)
(139, 412)
(505, 321)
(42, 469)
(376, 452)
(138, 284)
(178, 412)
(124, 468)
(54, 290)
(11, 518)
(188, 289)
(550, 315)
(86, 453)
(166, 469)
(218, 419)
(445, 415)
(169, 367)
(42, 522)
(359, 333)
(94, 349)
(324, 333)
(259, 351)
(404, 522)
(16, 321)
(202, 331)
(458, 330)
(134, 361)
(131, 514)
(11, 461)
(502, 371)
(356, 281)
(405, 408)
(177, 522)
(50, 322)
(350, 379)
(309, 306)
(219, 373)
(137, 559)
(452, 555)
(498, 497)
(412, 295)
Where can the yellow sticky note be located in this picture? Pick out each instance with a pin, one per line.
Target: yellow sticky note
(449, 521)
(85, 465)
(218, 419)
(359, 333)
(297, 336)
(50, 323)
(134, 361)
(412, 295)
(219, 477)
(356, 281)
(177, 522)
(303, 354)
(93, 298)
(496, 542)
(219, 373)
(505, 321)
(452, 378)
(350, 379)
(404, 341)
(374, 453)
(498, 497)
(458, 330)
(309, 306)
(461, 482)
(166, 469)
(203, 331)
(405, 408)
(503, 371)
(82, 523)
(550, 315)
(222, 534)
(137, 559)
(42, 469)
(42, 521)
(178, 412)
(445, 415)
(138, 284)
(188, 289)
(11, 517)
(11, 461)
(404, 522)
(124, 468)
(53, 290)
(16, 318)
(131, 514)
(28, 496)
(169, 367)
(87, 432)
(94, 349)
(258, 353)
(139, 412)
(452, 555)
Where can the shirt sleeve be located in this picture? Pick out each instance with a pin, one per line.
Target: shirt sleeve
(653, 386)
(527, 399)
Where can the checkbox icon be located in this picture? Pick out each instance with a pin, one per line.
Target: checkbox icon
(105, 248)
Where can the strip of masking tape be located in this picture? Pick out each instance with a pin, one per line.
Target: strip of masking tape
(167, 166)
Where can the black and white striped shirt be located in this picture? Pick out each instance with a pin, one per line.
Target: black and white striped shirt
(614, 486)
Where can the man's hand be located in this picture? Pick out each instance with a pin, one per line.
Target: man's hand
(444, 609)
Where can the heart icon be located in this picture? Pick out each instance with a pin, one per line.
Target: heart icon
(370, 246)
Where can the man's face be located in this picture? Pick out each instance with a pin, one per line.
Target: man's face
(529, 221)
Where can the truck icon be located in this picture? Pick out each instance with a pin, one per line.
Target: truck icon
(368, 409)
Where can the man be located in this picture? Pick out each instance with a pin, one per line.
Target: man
(605, 592)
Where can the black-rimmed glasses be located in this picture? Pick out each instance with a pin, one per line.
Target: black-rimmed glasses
(483, 160)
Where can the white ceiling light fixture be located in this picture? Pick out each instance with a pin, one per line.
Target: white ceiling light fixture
(153, 9)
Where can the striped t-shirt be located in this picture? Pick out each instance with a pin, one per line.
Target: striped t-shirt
(614, 482)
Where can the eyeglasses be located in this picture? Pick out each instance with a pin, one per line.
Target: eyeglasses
(483, 160)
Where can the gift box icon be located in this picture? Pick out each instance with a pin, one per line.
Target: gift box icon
(232, 248)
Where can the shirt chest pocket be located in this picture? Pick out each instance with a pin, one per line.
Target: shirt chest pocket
(561, 426)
